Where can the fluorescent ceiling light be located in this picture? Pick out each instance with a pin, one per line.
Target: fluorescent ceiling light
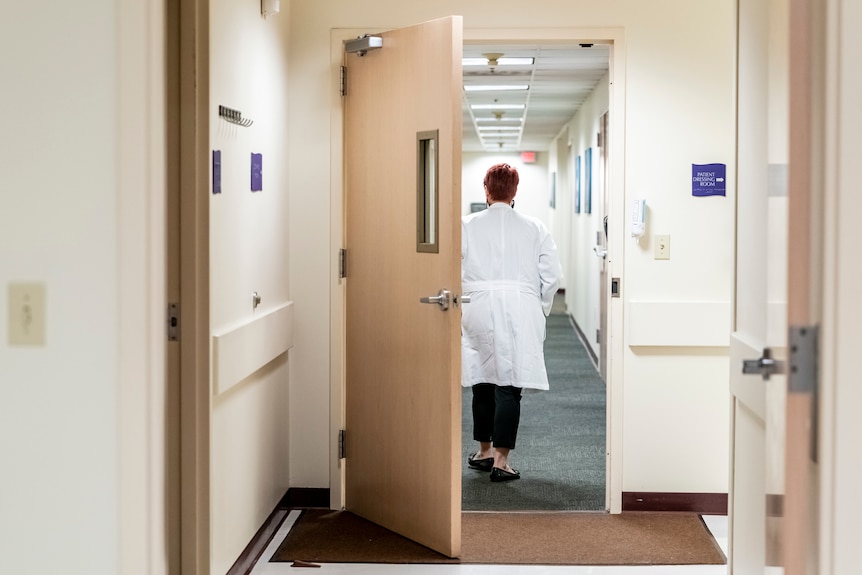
(499, 136)
(497, 88)
(501, 120)
(499, 128)
(500, 61)
(497, 106)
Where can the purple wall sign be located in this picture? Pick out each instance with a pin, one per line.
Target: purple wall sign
(216, 171)
(256, 172)
(708, 180)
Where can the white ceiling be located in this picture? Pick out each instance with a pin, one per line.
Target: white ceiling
(560, 79)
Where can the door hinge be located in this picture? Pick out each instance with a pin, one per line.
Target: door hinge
(173, 322)
(802, 352)
(598, 139)
(803, 375)
(340, 444)
(598, 336)
(344, 80)
(342, 263)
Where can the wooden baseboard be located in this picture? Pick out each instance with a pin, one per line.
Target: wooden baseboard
(706, 503)
(252, 552)
(293, 498)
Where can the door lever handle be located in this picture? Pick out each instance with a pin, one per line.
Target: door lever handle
(442, 299)
(765, 366)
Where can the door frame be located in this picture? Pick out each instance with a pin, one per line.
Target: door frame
(141, 354)
(828, 498)
(194, 292)
(616, 225)
(840, 399)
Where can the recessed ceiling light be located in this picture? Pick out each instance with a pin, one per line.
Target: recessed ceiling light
(498, 88)
(497, 106)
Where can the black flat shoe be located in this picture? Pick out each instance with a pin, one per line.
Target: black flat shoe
(480, 464)
(498, 475)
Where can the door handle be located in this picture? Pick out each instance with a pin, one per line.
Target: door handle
(600, 252)
(765, 366)
(443, 298)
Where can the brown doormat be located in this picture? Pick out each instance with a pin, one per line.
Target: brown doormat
(632, 538)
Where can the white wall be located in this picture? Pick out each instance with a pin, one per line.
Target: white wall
(58, 227)
(675, 405)
(582, 266)
(662, 392)
(676, 365)
(76, 92)
(679, 110)
(248, 253)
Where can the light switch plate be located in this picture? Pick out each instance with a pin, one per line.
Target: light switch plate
(662, 247)
(26, 314)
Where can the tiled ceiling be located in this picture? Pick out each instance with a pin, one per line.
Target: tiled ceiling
(557, 82)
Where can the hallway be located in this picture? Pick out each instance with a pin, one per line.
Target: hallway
(562, 436)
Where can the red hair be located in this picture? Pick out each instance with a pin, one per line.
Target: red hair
(501, 180)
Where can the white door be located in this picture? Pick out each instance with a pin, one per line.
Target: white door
(760, 317)
(601, 248)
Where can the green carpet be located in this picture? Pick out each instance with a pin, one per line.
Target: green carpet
(561, 440)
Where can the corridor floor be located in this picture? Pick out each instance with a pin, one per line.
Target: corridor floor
(717, 526)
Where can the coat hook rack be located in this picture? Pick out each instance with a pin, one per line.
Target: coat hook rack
(234, 116)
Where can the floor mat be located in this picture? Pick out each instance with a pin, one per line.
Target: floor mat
(631, 538)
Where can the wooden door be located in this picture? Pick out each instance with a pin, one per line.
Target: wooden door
(760, 310)
(403, 366)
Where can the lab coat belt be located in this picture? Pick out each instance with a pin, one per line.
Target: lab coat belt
(475, 286)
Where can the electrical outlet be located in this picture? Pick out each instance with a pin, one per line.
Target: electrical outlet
(662, 247)
(27, 314)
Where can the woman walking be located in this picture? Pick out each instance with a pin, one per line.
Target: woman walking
(510, 268)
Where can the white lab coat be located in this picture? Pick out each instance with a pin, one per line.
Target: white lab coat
(510, 268)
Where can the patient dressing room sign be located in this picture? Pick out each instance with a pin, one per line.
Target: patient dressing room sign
(708, 180)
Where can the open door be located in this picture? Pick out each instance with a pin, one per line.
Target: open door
(402, 172)
(758, 346)
(601, 248)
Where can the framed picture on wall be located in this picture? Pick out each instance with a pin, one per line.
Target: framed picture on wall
(588, 181)
(578, 185)
(554, 190)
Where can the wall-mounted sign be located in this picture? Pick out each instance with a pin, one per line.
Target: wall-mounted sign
(708, 180)
(216, 171)
(256, 172)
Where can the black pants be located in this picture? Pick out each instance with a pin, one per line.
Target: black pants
(496, 414)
